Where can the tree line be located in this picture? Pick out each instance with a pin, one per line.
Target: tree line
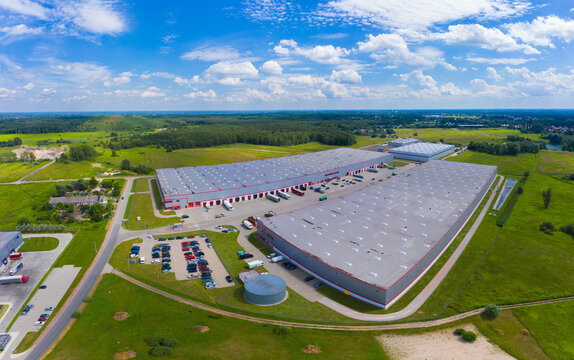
(508, 148)
(14, 142)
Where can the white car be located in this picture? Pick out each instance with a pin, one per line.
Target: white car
(39, 323)
(219, 227)
(271, 255)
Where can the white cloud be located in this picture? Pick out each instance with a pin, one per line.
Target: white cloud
(25, 7)
(542, 30)
(547, 82)
(209, 94)
(29, 86)
(95, 16)
(214, 53)
(418, 80)
(6, 93)
(75, 98)
(492, 74)
(82, 73)
(393, 49)
(268, 10)
(498, 61)
(168, 39)
(272, 67)
(20, 29)
(324, 54)
(346, 76)
(161, 74)
(420, 14)
(485, 38)
(124, 78)
(152, 92)
(49, 91)
(239, 69)
(183, 81)
(230, 80)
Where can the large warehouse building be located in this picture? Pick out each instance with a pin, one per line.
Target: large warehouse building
(375, 243)
(234, 182)
(402, 142)
(422, 151)
(9, 241)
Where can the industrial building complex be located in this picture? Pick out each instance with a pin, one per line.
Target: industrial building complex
(375, 243)
(9, 242)
(402, 142)
(234, 182)
(422, 151)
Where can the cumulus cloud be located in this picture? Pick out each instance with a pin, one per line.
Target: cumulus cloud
(393, 49)
(20, 29)
(152, 92)
(492, 74)
(213, 53)
(485, 38)
(498, 61)
(124, 78)
(209, 94)
(268, 10)
(29, 86)
(542, 30)
(183, 81)
(94, 16)
(243, 69)
(418, 80)
(272, 67)
(324, 54)
(346, 76)
(83, 73)
(230, 80)
(25, 7)
(419, 14)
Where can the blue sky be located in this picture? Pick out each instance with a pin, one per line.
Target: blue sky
(96, 55)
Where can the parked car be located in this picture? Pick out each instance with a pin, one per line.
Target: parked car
(185, 216)
(229, 279)
(309, 278)
(43, 287)
(49, 308)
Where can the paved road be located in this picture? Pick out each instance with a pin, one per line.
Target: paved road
(57, 326)
(412, 325)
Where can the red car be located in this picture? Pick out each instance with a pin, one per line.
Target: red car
(190, 237)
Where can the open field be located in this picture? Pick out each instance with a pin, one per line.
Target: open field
(15, 171)
(141, 206)
(73, 137)
(140, 185)
(226, 338)
(551, 326)
(507, 165)
(464, 137)
(39, 244)
(556, 163)
(22, 201)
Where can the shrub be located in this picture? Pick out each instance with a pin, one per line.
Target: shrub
(152, 341)
(459, 331)
(469, 336)
(87, 299)
(161, 351)
(492, 311)
(169, 342)
(547, 227)
(519, 189)
(76, 314)
(281, 330)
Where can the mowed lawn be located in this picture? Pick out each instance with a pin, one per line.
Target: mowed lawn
(507, 165)
(15, 171)
(153, 315)
(39, 244)
(455, 136)
(140, 185)
(141, 206)
(551, 326)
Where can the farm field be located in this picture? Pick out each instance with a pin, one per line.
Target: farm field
(15, 171)
(464, 137)
(225, 336)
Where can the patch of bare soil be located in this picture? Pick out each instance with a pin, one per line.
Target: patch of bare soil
(121, 315)
(201, 328)
(311, 349)
(125, 355)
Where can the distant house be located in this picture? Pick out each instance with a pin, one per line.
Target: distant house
(80, 200)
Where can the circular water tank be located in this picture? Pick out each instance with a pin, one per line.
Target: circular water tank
(265, 289)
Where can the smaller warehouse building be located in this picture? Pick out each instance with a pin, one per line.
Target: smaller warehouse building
(4, 340)
(9, 242)
(422, 151)
(265, 289)
(402, 142)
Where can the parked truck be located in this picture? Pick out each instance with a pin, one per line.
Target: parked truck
(254, 264)
(16, 256)
(248, 225)
(358, 176)
(284, 195)
(13, 279)
(15, 270)
(373, 170)
(298, 192)
(277, 258)
(273, 198)
(227, 205)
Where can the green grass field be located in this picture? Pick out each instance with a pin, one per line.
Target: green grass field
(464, 137)
(140, 185)
(551, 326)
(153, 315)
(556, 163)
(15, 171)
(39, 244)
(507, 165)
(22, 201)
(74, 137)
(141, 206)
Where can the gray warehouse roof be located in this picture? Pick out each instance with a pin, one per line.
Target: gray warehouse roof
(379, 233)
(403, 141)
(201, 179)
(5, 237)
(421, 148)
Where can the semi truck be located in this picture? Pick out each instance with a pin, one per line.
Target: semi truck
(298, 192)
(358, 176)
(273, 198)
(284, 195)
(15, 270)
(373, 170)
(227, 205)
(13, 279)
(254, 264)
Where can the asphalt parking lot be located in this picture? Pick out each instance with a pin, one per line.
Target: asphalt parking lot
(36, 264)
